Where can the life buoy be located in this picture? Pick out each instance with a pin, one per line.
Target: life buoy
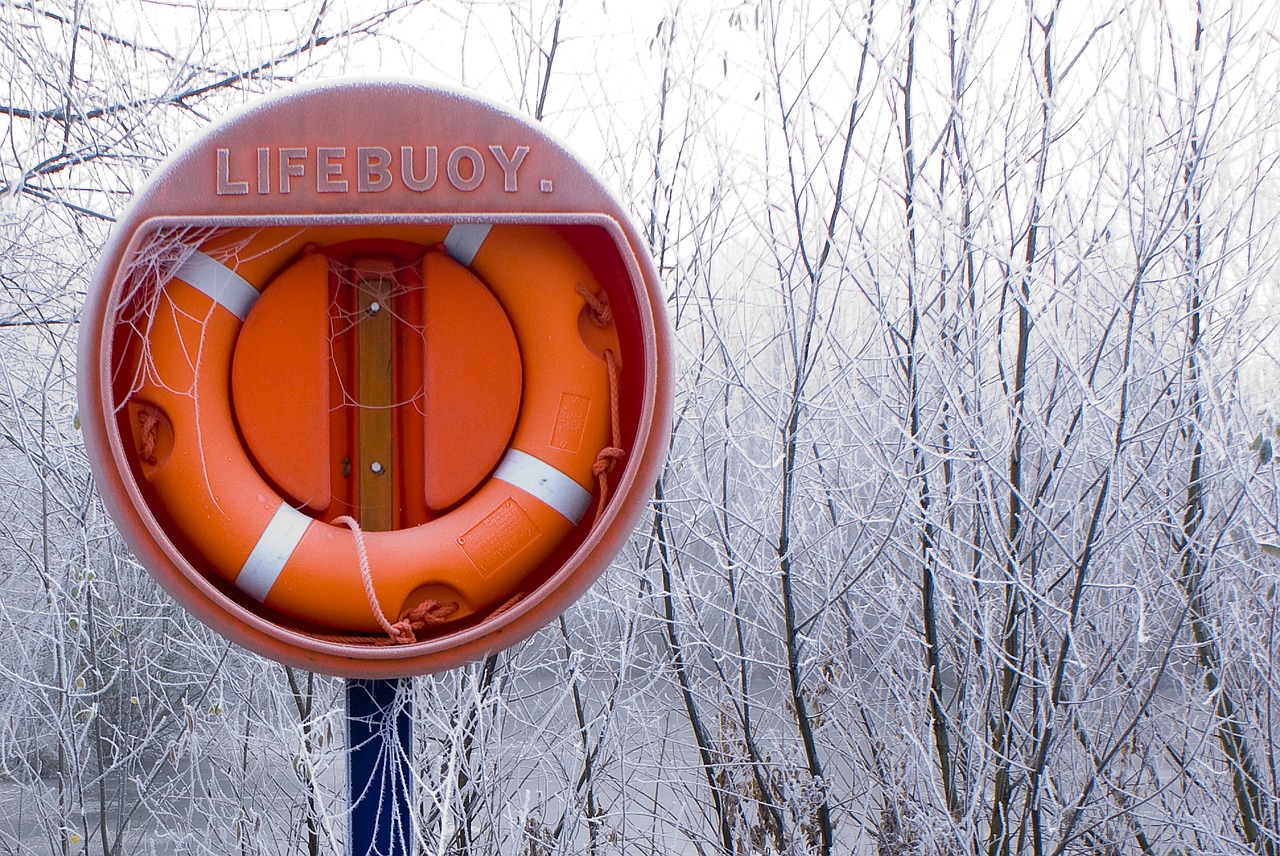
(286, 551)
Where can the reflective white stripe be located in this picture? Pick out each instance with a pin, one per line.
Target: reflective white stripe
(273, 549)
(464, 240)
(226, 287)
(545, 482)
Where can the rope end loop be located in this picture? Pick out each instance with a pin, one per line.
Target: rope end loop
(597, 306)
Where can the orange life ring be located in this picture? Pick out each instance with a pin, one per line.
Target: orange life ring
(287, 553)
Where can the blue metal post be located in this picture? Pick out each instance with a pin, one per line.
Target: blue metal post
(379, 767)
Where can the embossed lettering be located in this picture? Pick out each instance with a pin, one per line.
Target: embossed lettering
(227, 187)
(290, 167)
(477, 168)
(264, 171)
(509, 165)
(277, 169)
(406, 169)
(373, 173)
(328, 168)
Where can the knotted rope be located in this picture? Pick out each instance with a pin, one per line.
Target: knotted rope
(149, 433)
(602, 316)
(429, 613)
(598, 304)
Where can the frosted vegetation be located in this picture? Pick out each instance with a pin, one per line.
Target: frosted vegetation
(966, 543)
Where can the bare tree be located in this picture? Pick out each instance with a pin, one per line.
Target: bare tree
(962, 545)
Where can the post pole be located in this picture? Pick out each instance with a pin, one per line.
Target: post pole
(379, 766)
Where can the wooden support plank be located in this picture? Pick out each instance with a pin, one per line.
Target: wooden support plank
(375, 391)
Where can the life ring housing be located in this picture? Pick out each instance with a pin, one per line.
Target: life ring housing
(266, 526)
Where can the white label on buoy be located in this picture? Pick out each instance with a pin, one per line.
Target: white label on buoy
(278, 541)
(218, 282)
(464, 241)
(543, 481)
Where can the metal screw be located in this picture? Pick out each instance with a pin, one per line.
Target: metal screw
(376, 467)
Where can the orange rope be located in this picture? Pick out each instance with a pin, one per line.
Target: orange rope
(366, 575)
(149, 423)
(609, 455)
(602, 316)
(429, 613)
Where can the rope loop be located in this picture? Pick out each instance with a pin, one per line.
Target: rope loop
(597, 305)
(429, 613)
(609, 456)
(605, 461)
(149, 435)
